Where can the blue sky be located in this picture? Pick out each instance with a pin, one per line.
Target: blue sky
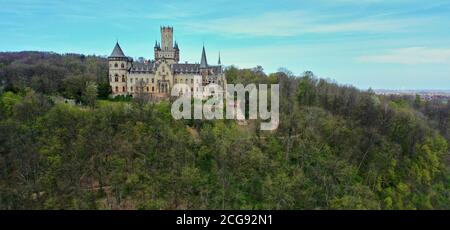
(390, 44)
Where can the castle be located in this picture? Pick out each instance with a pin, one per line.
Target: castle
(157, 77)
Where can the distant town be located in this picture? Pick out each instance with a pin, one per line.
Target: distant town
(427, 95)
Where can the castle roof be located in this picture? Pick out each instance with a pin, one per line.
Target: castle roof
(185, 68)
(193, 68)
(139, 67)
(203, 62)
(219, 62)
(117, 52)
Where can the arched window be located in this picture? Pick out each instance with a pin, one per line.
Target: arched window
(147, 88)
(116, 78)
(153, 80)
(123, 65)
(123, 89)
(131, 88)
(153, 89)
(115, 65)
(117, 89)
(123, 78)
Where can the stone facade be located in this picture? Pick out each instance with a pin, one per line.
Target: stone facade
(157, 77)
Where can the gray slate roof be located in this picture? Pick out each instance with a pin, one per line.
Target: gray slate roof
(185, 68)
(117, 52)
(203, 62)
(139, 67)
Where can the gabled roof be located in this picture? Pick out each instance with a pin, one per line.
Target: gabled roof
(185, 68)
(117, 52)
(203, 62)
(147, 67)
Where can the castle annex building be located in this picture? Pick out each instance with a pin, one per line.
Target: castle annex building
(157, 77)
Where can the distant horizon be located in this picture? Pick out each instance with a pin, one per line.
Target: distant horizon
(398, 44)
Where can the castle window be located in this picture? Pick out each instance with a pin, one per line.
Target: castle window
(123, 89)
(192, 81)
(115, 65)
(186, 81)
(117, 89)
(131, 80)
(147, 88)
(131, 88)
(123, 66)
(116, 78)
(153, 80)
(153, 89)
(123, 78)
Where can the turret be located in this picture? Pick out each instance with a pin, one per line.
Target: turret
(157, 46)
(219, 62)
(203, 62)
(118, 66)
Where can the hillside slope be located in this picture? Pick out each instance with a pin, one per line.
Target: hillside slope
(336, 148)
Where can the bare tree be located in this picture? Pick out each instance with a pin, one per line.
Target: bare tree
(141, 97)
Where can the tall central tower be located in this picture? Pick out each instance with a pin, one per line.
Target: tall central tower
(167, 38)
(167, 50)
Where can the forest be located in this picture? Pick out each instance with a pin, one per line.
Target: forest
(337, 147)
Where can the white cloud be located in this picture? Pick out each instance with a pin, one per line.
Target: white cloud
(410, 56)
(293, 23)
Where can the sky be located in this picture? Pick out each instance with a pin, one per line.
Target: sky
(378, 44)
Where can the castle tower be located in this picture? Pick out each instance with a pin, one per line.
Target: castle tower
(167, 50)
(166, 38)
(118, 69)
(204, 71)
(157, 48)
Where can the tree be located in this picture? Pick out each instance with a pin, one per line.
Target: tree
(90, 94)
(74, 87)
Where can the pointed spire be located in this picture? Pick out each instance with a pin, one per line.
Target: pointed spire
(117, 51)
(156, 43)
(219, 62)
(204, 62)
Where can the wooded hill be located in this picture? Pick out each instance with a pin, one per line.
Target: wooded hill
(336, 147)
